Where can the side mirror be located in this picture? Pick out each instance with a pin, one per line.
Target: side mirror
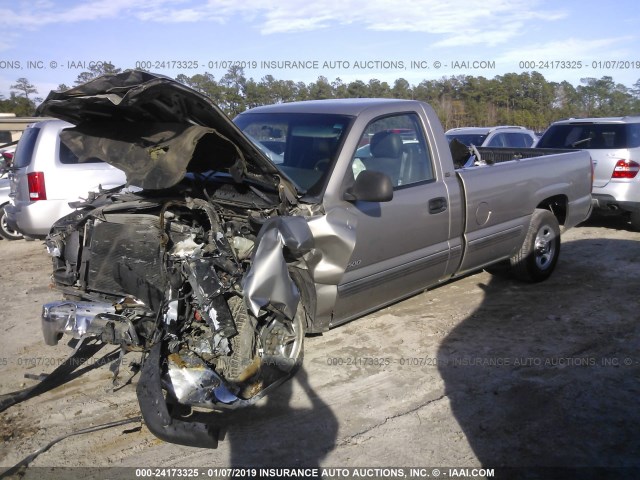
(370, 186)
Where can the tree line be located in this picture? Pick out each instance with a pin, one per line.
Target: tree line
(526, 99)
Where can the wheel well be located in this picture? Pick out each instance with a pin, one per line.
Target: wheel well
(556, 205)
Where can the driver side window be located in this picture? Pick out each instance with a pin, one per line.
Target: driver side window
(395, 146)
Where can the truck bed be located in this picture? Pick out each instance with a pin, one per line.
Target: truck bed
(501, 196)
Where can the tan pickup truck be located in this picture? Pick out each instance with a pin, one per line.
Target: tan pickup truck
(243, 236)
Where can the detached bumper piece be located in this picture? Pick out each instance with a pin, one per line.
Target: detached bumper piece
(157, 416)
(72, 318)
(86, 318)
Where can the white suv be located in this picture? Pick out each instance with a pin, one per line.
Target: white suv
(614, 145)
(46, 176)
(502, 136)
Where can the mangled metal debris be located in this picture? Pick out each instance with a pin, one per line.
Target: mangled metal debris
(206, 265)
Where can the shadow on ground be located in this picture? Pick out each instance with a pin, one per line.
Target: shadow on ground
(548, 375)
(611, 221)
(275, 434)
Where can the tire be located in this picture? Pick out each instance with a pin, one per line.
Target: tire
(5, 231)
(500, 269)
(239, 367)
(540, 250)
(280, 343)
(635, 221)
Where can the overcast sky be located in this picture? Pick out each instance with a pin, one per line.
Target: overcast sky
(50, 42)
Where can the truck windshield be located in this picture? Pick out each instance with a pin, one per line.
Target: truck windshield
(591, 136)
(303, 146)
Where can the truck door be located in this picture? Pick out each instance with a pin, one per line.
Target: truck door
(402, 246)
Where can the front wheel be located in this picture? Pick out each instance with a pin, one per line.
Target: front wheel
(282, 342)
(265, 351)
(5, 231)
(539, 253)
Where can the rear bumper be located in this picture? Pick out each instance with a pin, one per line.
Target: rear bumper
(36, 218)
(611, 204)
(618, 195)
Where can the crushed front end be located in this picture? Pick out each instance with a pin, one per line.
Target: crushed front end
(169, 275)
(193, 263)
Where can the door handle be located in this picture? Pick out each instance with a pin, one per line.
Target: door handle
(437, 205)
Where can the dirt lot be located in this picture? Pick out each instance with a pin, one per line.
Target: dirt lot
(479, 372)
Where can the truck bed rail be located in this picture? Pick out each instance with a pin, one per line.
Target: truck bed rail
(498, 155)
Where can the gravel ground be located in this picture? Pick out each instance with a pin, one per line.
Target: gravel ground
(480, 372)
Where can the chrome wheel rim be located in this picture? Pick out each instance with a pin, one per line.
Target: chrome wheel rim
(282, 343)
(545, 247)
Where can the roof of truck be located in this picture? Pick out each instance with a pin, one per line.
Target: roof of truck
(485, 130)
(340, 106)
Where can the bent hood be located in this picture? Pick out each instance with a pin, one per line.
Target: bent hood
(154, 129)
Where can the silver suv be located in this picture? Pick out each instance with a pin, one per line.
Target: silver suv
(46, 176)
(614, 145)
(502, 136)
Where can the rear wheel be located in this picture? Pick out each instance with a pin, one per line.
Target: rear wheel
(5, 231)
(539, 253)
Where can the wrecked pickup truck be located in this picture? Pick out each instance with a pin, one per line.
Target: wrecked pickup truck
(232, 240)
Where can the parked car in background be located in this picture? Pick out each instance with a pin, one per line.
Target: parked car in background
(6, 157)
(46, 176)
(502, 136)
(5, 231)
(614, 145)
